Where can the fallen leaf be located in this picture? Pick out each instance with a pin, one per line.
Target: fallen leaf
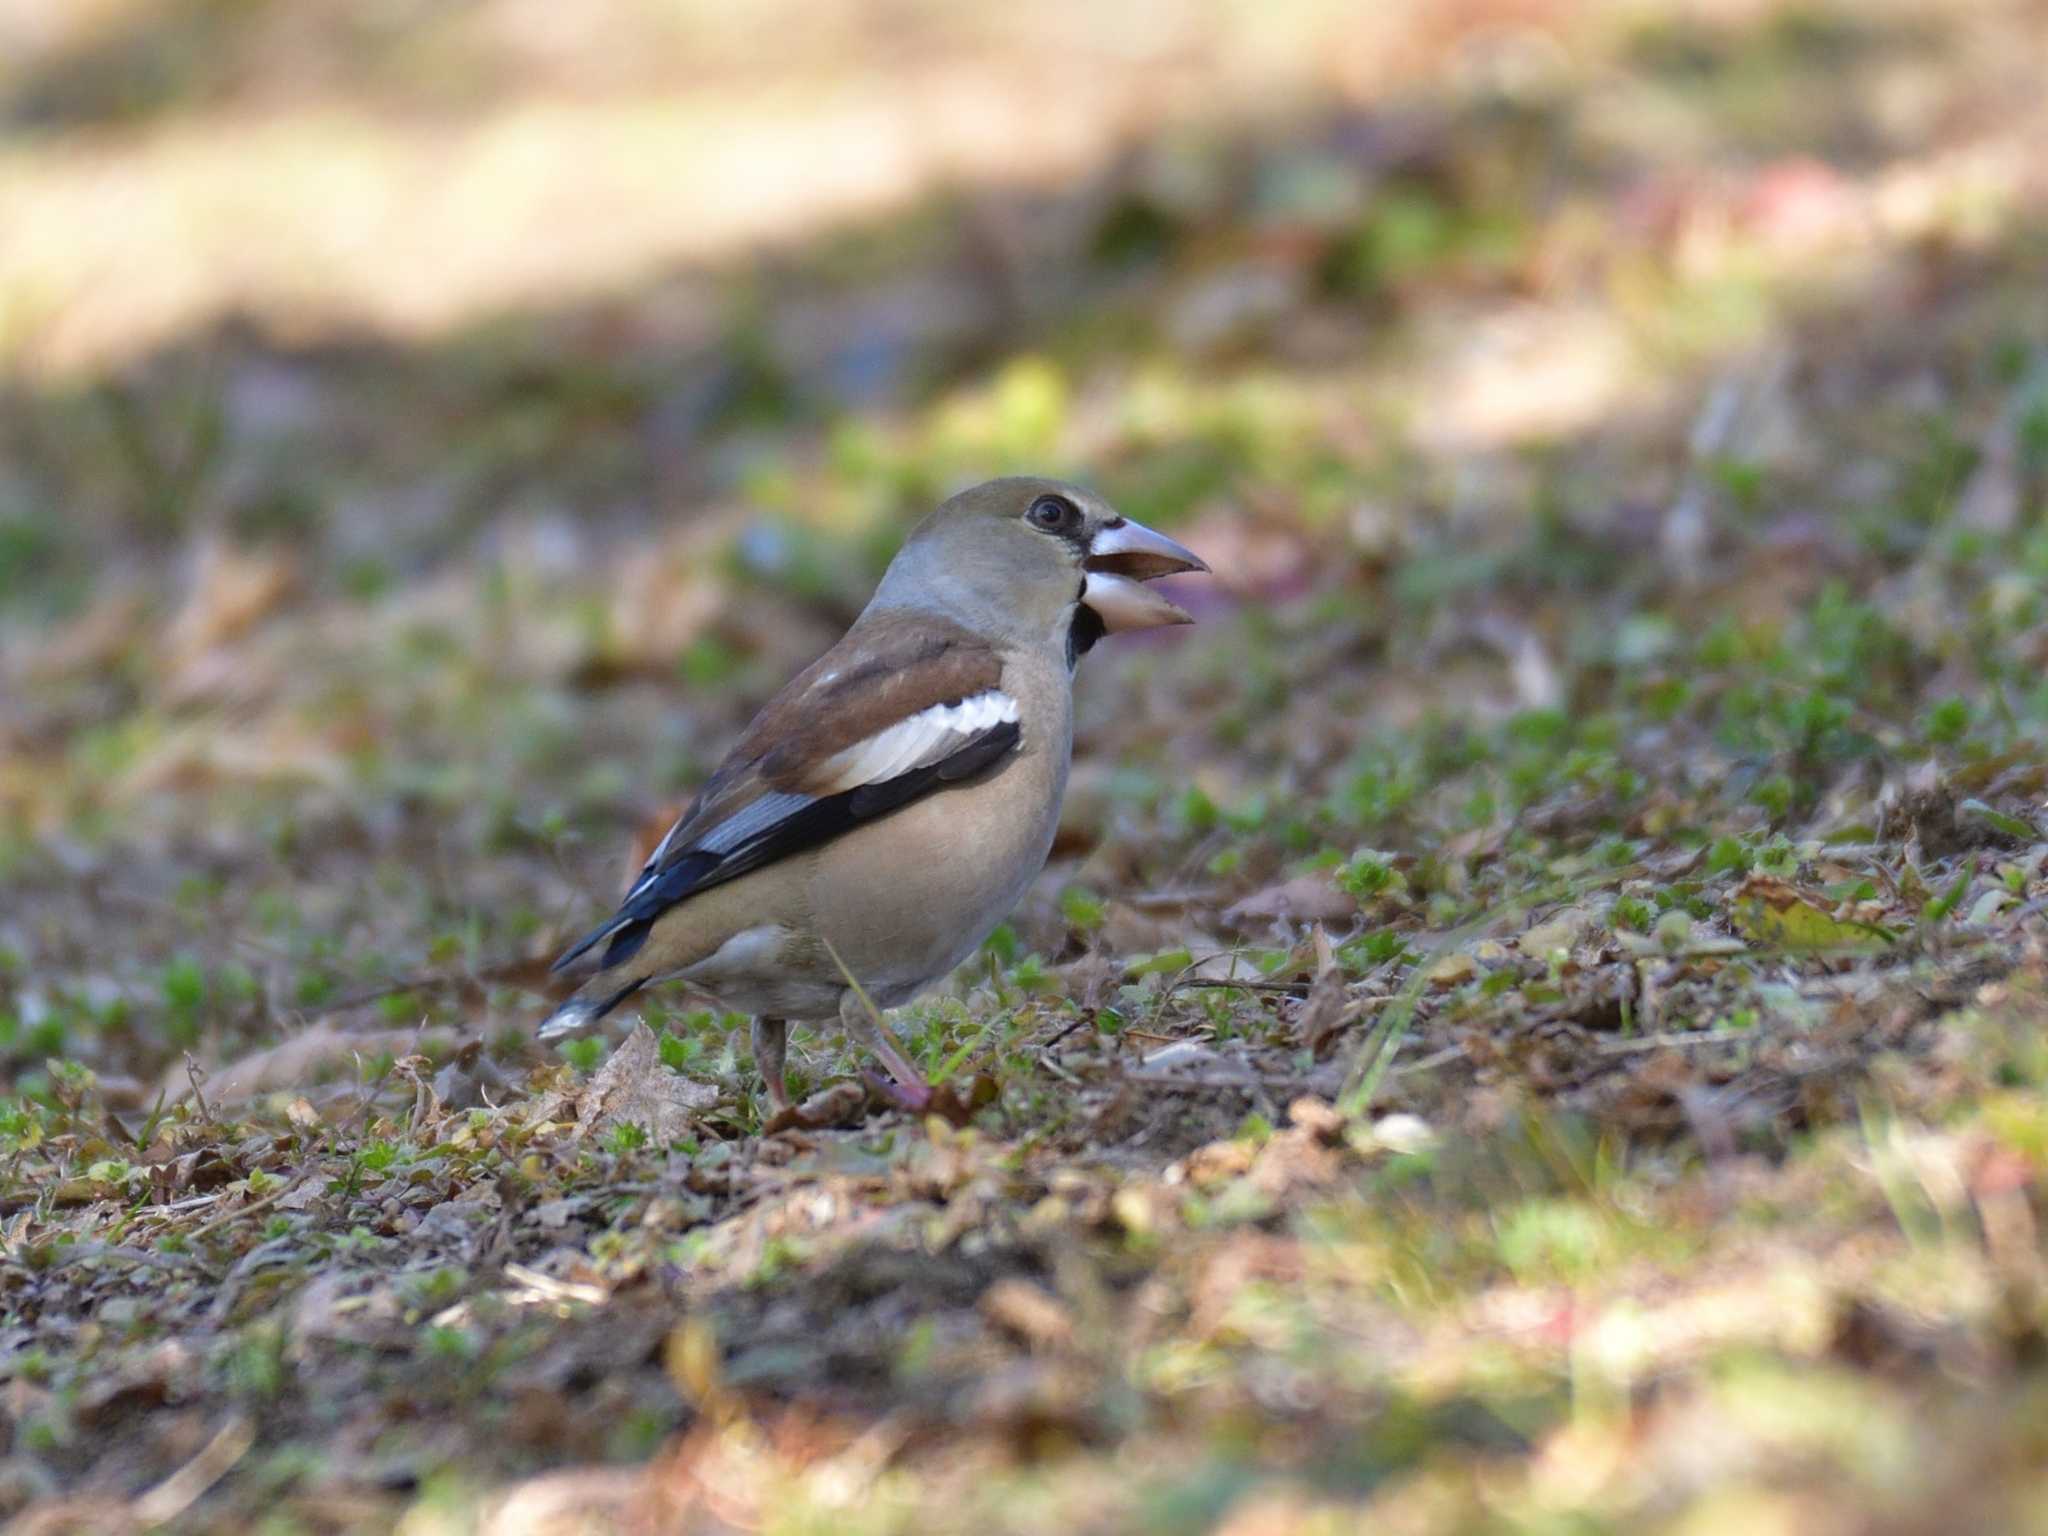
(1217, 1161)
(1562, 931)
(289, 1064)
(958, 1102)
(1768, 910)
(1452, 970)
(634, 1088)
(1029, 1311)
(1316, 1117)
(232, 591)
(835, 1104)
(1304, 899)
(1327, 1008)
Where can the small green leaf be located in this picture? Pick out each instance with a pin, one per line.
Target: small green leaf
(2011, 826)
(1940, 907)
(1082, 909)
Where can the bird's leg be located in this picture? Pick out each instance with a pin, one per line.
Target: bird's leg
(771, 1041)
(909, 1089)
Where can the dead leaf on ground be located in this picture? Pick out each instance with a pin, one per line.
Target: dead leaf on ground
(1030, 1311)
(572, 1502)
(1328, 1006)
(1768, 910)
(835, 1104)
(958, 1101)
(94, 641)
(633, 1087)
(1304, 899)
(290, 1064)
(232, 591)
(1563, 931)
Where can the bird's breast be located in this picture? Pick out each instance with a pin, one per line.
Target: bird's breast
(907, 898)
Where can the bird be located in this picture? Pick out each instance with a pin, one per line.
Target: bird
(886, 810)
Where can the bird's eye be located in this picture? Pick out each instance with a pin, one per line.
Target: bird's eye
(1054, 514)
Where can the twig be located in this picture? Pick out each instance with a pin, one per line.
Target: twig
(195, 1074)
(1681, 1037)
(1429, 1063)
(1245, 1082)
(1072, 1025)
(370, 1091)
(184, 1487)
(207, 1229)
(1181, 898)
(1185, 976)
(556, 1290)
(1045, 1060)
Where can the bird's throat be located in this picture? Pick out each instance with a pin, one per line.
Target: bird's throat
(1086, 629)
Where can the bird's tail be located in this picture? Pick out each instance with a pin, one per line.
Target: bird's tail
(585, 1009)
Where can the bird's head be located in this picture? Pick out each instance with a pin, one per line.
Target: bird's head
(1029, 556)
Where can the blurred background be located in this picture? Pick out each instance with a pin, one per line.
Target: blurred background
(347, 346)
(429, 428)
(557, 338)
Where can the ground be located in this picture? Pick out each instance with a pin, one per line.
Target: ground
(1535, 1021)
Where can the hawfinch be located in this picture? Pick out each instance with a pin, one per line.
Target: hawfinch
(889, 807)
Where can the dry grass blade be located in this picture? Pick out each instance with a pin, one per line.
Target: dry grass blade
(1382, 1042)
(184, 1487)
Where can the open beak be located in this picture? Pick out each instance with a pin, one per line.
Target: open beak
(1122, 558)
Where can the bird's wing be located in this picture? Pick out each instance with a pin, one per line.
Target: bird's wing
(901, 707)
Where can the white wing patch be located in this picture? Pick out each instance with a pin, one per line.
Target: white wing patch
(757, 816)
(925, 738)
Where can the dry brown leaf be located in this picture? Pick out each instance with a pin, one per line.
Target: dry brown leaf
(1217, 1161)
(1292, 1159)
(659, 608)
(94, 641)
(232, 591)
(1452, 970)
(1328, 1007)
(1126, 930)
(1562, 931)
(1304, 899)
(835, 1104)
(1316, 1117)
(288, 1064)
(634, 1088)
(1030, 1311)
(577, 1501)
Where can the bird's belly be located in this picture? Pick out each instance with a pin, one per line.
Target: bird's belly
(759, 970)
(905, 900)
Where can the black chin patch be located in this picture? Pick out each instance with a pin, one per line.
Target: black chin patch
(1082, 634)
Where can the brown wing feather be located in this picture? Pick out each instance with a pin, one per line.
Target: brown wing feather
(888, 668)
(906, 663)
